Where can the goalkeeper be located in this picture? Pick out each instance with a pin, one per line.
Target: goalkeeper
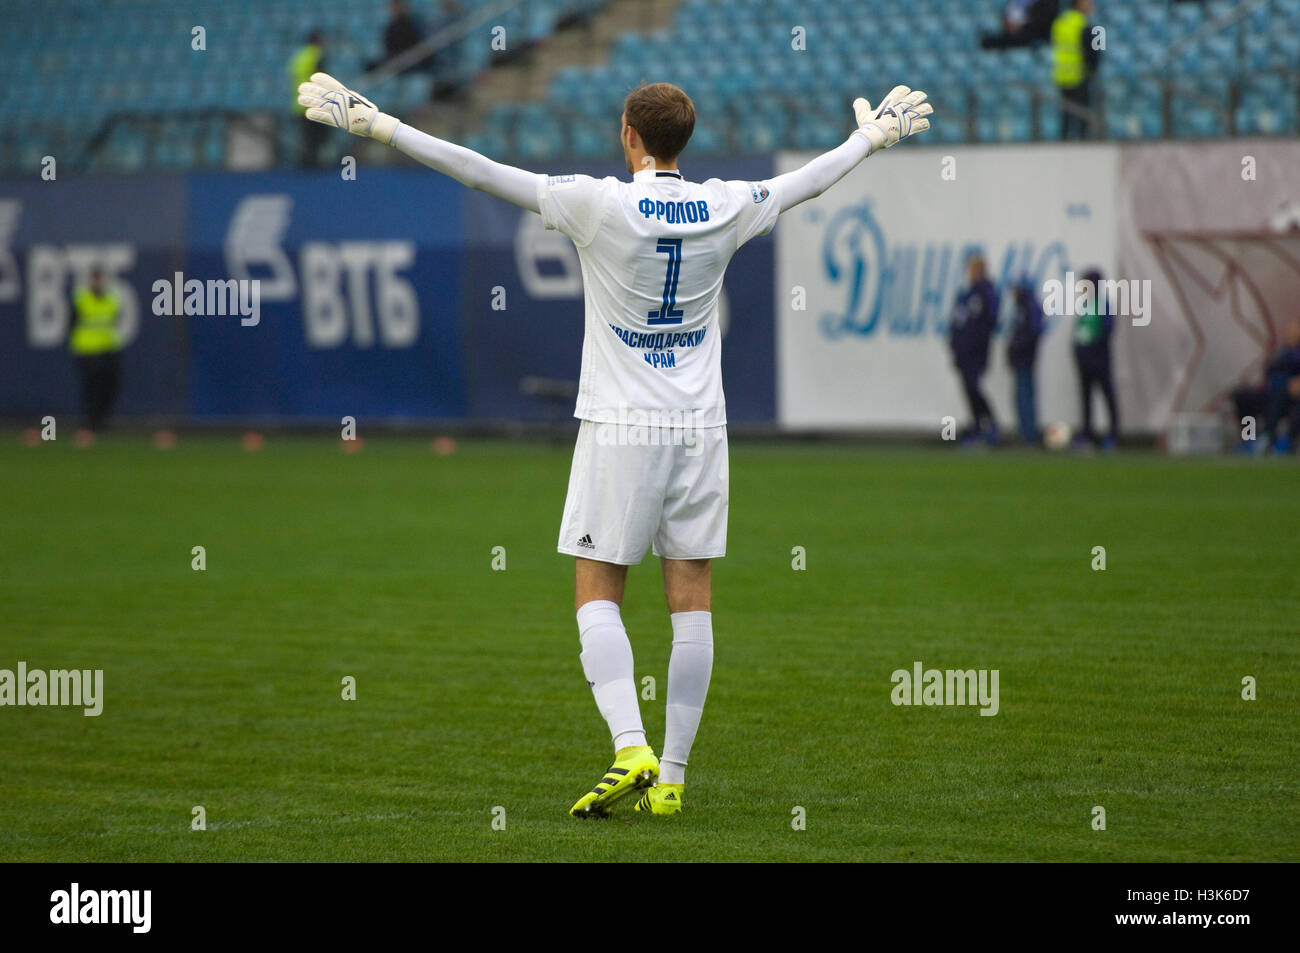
(653, 253)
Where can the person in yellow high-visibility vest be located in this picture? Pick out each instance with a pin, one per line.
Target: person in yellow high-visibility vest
(309, 59)
(1074, 61)
(96, 343)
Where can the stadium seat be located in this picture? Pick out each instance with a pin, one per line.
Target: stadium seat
(721, 51)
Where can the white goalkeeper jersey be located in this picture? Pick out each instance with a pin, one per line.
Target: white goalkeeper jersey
(653, 252)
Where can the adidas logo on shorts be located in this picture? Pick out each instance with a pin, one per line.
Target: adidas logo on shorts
(586, 542)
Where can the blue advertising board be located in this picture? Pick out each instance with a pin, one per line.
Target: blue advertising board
(394, 293)
(51, 235)
(358, 295)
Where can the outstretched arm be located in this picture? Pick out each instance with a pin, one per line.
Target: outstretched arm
(900, 114)
(331, 103)
(469, 167)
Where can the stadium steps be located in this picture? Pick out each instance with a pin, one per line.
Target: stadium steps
(528, 78)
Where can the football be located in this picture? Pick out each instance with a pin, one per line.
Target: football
(1057, 436)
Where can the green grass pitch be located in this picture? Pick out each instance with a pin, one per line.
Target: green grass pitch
(1120, 689)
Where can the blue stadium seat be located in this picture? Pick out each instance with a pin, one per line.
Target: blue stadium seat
(707, 140)
(721, 51)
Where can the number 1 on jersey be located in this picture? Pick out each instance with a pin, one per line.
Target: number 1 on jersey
(667, 312)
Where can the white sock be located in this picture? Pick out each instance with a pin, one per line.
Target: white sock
(607, 661)
(689, 668)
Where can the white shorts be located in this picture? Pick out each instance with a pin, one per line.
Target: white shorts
(624, 498)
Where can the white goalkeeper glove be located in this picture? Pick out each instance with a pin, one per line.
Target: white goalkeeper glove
(899, 115)
(331, 103)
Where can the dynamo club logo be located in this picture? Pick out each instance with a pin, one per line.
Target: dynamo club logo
(853, 254)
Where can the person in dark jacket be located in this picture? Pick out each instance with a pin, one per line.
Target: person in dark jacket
(1024, 23)
(1092, 331)
(1022, 352)
(969, 333)
(402, 31)
(1278, 398)
(400, 34)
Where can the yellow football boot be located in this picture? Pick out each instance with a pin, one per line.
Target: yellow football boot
(662, 799)
(633, 769)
